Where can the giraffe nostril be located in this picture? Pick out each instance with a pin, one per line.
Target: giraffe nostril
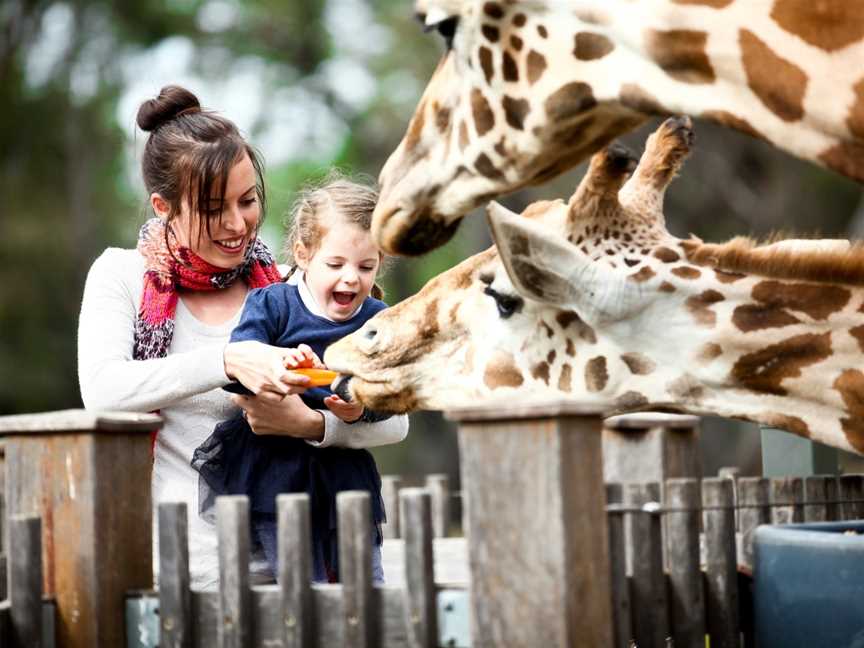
(370, 332)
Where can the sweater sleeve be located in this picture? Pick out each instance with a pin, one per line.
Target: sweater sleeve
(108, 376)
(361, 435)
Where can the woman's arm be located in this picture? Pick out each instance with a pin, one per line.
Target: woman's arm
(108, 376)
(362, 435)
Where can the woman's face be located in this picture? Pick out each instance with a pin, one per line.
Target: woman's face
(232, 231)
(341, 272)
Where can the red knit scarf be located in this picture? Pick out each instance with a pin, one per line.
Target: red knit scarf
(166, 272)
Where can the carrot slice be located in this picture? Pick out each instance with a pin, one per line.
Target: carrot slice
(319, 377)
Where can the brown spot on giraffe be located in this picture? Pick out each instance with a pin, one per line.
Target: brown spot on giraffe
(826, 24)
(486, 168)
(666, 287)
(714, 4)
(491, 33)
(596, 375)
(639, 364)
(858, 333)
(686, 272)
(631, 400)
(818, 301)
(778, 83)
(570, 100)
(516, 43)
(666, 255)
(463, 136)
(535, 65)
(550, 357)
(588, 46)
(566, 318)
(847, 158)
(726, 277)
(754, 317)
(542, 31)
(565, 379)
(493, 10)
(484, 118)
(540, 371)
(789, 423)
(570, 350)
(587, 334)
(855, 120)
(547, 328)
(644, 274)
(728, 119)
(502, 372)
(636, 98)
(685, 388)
(700, 307)
(486, 64)
(415, 128)
(442, 120)
(766, 369)
(681, 54)
(515, 111)
(509, 67)
(519, 20)
(709, 351)
(850, 384)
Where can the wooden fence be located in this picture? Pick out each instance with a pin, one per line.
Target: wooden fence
(541, 566)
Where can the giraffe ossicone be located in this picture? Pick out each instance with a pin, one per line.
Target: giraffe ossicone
(593, 299)
(526, 90)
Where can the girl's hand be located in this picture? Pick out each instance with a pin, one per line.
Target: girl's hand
(262, 368)
(348, 412)
(303, 357)
(288, 416)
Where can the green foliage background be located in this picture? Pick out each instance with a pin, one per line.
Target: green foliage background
(68, 163)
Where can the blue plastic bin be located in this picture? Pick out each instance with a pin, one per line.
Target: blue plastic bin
(808, 585)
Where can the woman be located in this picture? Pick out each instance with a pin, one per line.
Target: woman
(155, 322)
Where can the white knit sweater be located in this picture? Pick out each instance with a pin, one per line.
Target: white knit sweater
(184, 387)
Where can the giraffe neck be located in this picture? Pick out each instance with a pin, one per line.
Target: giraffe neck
(762, 67)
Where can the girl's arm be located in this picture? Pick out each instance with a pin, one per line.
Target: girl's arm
(108, 376)
(362, 435)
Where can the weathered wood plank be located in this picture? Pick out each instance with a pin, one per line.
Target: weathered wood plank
(421, 614)
(175, 599)
(390, 485)
(295, 570)
(687, 597)
(25, 580)
(360, 623)
(621, 611)
(815, 495)
(533, 547)
(648, 585)
(753, 498)
(235, 599)
(438, 486)
(787, 499)
(721, 579)
(851, 493)
(80, 421)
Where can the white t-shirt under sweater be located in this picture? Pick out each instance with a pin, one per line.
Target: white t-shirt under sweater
(185, 387)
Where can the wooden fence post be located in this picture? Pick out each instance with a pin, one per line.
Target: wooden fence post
(650, 447)
(420, 603)
(538, 550)
(438, 486)
(390, 486)
(25, 581)
(87, 476)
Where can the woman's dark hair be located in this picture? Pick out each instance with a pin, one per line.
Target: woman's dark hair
(190, 153)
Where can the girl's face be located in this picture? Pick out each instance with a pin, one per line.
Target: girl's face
(232, 231)
(341, 272)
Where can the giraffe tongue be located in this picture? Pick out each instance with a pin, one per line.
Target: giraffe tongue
(343, 298)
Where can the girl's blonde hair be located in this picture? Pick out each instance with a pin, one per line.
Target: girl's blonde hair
(336, 196)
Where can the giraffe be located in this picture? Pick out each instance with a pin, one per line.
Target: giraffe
(593, 299)
(526, 90)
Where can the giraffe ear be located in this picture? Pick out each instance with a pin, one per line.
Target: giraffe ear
(545, 267)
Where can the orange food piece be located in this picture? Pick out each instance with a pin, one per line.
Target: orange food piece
(319, 377)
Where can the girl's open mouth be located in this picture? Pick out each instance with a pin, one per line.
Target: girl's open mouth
(344, 298)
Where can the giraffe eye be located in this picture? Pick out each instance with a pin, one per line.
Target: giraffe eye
(445, 25)
(506, 304)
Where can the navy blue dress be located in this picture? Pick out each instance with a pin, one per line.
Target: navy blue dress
(235, 461)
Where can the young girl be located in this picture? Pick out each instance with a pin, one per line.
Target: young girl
(327, 296)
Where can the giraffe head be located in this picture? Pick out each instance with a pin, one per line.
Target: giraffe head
(593, 299)
(494, 117)
(526, 90)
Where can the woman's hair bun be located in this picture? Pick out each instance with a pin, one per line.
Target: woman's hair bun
(172, 100)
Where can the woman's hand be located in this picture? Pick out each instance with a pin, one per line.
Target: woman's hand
(288, 416)
(262, 368)
(348, 412)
